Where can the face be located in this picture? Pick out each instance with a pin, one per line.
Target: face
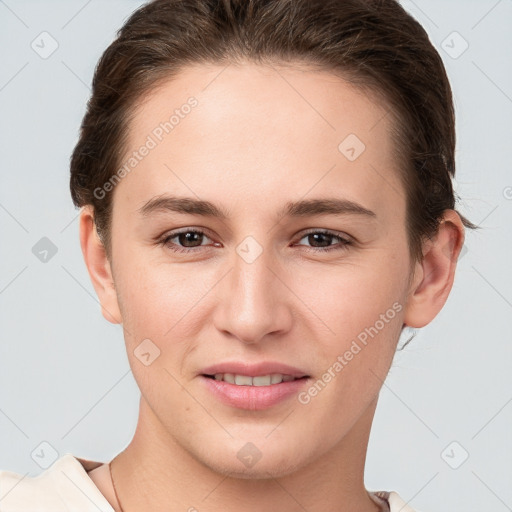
(296, 262)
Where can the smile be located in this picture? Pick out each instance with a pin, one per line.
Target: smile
(246, 380)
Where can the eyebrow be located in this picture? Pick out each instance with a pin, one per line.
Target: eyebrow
(302, 208)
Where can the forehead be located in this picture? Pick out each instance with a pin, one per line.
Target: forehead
(243, 132)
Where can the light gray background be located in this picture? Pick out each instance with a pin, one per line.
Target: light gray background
(64, 374)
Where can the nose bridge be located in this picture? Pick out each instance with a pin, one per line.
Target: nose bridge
(254, 303)
(251, 272)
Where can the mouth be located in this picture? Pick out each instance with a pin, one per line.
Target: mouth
(253, 387)
(258, 380)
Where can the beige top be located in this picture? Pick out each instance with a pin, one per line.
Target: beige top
(65, 486)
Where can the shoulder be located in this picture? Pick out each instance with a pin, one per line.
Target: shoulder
(394, 501)
(397, 504)
(63, 486)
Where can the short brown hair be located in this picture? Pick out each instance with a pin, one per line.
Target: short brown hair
(375, 44)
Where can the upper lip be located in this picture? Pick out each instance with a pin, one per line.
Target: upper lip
(254, 369)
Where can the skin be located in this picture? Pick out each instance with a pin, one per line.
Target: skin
(252, 144)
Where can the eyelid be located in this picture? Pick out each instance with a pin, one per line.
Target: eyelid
(173, 234)
(343, 236)
(179, 231)
(343, 244)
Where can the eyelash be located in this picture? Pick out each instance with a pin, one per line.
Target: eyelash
(344, 241)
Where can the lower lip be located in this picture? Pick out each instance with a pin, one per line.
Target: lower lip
(254, 398)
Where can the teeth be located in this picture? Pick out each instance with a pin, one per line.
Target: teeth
(260, 380)
(229, 377)
(242, 380)
(276, 378)
(263, 380)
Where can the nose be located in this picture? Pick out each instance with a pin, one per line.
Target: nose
(254, 299)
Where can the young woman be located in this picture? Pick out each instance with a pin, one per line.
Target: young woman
(266, 204)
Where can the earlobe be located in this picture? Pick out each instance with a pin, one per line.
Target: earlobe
(434, 275)
(98, 266)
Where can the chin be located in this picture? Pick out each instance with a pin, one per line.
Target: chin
(245, 460)
(262, 470)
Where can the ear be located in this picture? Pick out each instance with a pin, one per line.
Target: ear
(98, 266)
(433, 276)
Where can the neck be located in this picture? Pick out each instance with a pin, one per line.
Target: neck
(155, 473)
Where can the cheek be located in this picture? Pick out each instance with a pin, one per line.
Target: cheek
(366, 321)
(158, 303)
(352, 296)
(155, 296)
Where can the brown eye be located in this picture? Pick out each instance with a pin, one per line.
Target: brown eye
(184, 241)
(322, 241)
